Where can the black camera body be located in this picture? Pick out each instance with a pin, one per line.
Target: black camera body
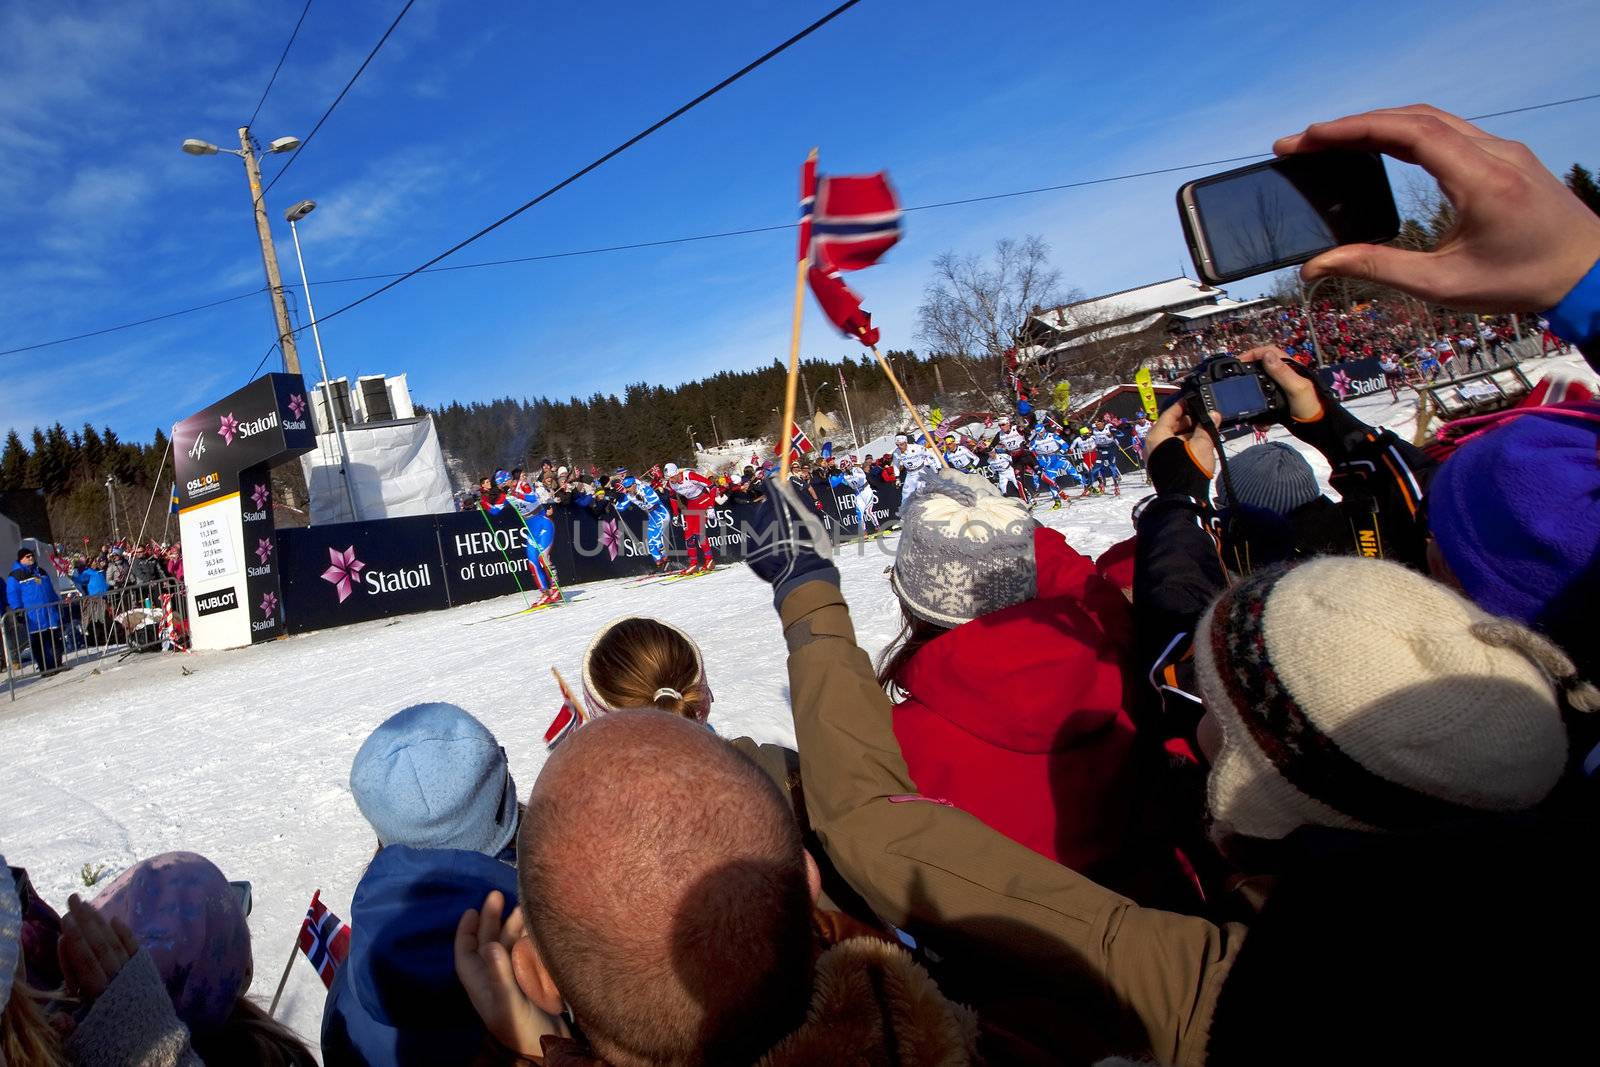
(1240, 392)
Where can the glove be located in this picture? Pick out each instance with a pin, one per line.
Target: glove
(790, 546)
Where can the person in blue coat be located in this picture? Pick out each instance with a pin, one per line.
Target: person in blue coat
(396, 1001)
(29, 588)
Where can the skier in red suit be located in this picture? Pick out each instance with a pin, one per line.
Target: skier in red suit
(697, 493)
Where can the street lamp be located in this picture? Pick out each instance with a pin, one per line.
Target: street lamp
(292, 216)
(816, 393)
(269, 256)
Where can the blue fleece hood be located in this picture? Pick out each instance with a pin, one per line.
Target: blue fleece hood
(396, 1000)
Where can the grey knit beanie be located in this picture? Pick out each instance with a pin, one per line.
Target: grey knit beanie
(1274, 476)
(965, 551)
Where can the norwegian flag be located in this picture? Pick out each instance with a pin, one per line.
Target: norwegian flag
(854, 222)
(799, 443)
(842, 306)
(324, 939)
(846, 223)
(62, 565)
(567, 720)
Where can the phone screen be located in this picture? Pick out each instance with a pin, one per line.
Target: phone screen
(1290, 209)
(1239, 397)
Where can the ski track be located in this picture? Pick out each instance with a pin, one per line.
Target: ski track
(247, 759)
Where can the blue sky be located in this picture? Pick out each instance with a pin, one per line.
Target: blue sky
(473, 107)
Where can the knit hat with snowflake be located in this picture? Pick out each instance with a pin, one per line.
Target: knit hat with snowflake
(965, 551)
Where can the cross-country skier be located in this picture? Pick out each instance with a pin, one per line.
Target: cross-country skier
(1000, 470)
(1008, 438)
(855, 476)
(1049, 452)
(1107, 446)
(1087, 457)
(958, 455)
(636, 494)
(911, 464)
(532, 504)
(698, 493)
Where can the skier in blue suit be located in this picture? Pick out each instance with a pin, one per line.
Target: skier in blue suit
(640, 495)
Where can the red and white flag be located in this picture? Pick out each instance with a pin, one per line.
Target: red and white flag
(324, 939)
(799, 443)
(567, 720)
(846, 223)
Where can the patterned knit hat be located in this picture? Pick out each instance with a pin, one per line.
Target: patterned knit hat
(1273, 476)
(965, 551)
(182, 910)
(1358, 694)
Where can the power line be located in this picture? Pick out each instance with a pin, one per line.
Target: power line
(607, 157)
(131, 325)
(292, 35)
(305, 143)
(429, 269)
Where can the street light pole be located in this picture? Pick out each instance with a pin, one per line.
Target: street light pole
(269, 255)
(111, 499)
(715, 436)
(295, 214)
(855, 439)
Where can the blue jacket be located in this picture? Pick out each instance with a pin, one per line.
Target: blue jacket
(31, 588)
(94, 582)
(396, 1000)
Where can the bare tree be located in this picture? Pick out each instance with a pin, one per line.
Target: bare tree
(973, 309)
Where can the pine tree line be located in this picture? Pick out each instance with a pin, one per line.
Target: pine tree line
(650, 424)
(71, 467)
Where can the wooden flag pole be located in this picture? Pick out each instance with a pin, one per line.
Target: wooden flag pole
(927, 434)
(294, 950)
(786, 431)
(567, 695)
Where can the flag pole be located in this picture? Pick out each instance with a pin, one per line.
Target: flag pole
(786, 431)
(927, 434)
(294, 950)
(567, 695)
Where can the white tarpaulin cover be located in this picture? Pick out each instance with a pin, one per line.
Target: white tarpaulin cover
(396, 469)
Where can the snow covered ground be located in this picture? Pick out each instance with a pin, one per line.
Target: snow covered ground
(244, 755)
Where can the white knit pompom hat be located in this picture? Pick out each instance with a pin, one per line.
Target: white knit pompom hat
(1356, 693)
(964, 550)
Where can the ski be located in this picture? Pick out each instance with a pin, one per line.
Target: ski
(566, 598)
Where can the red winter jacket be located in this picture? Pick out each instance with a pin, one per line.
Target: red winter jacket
(1019, 718)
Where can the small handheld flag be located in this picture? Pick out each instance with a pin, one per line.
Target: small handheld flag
(799, 444)
(174, 495)
(571, 716)
(324, 939)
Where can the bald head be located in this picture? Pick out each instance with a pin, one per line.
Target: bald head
(665, 886)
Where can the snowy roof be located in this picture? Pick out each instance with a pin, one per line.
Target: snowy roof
(1104, 333)
(1143, 300)
(1205, 311)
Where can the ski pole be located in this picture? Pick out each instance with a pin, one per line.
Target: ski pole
(514, 578)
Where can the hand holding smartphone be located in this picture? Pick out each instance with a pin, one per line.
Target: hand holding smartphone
(1284, 211)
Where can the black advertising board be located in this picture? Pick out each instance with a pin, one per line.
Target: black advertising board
(263, 595)
(355, 571)
(358, 571)
(1353, 378)
(267, 421)
(485, 555)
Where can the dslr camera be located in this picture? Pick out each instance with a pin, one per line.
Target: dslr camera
(1239, 392)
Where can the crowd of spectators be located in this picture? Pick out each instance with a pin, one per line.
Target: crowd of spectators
(1282, 779)
(1380, 329)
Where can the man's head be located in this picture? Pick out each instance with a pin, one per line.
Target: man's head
(25, 556)
(666, 894)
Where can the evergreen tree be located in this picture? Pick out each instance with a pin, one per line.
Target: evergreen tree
(13, 463)
(1581, 181)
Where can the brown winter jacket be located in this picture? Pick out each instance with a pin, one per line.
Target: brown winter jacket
(1033, 946)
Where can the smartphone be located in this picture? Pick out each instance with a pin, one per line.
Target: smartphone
(1284, 211)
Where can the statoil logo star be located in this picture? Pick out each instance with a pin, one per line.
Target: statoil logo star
(1341, 384)
(259, 496)
(611, 537)
(344, 570)
(229, 427)
(269, 605)
(297, 405)
(264, 549)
